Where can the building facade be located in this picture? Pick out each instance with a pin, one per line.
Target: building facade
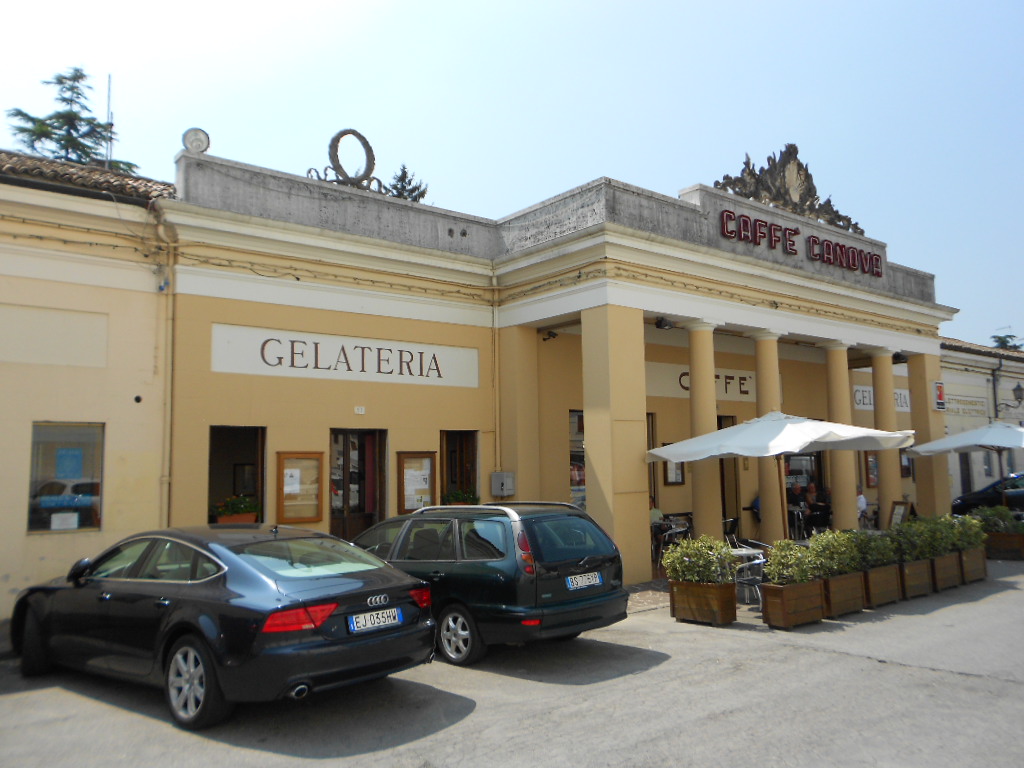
(333, 356)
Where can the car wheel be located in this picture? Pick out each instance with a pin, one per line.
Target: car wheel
(457, 636)
(35, 656)
(193, 694)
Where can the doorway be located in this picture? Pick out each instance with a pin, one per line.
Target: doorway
(729, 478)
(357, 490)
(458, 467)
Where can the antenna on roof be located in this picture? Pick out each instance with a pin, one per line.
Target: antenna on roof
(110, 122)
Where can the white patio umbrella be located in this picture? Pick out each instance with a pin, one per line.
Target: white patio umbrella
(997, 436)
(778, 433)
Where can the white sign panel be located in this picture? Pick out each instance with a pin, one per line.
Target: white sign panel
(864, 399)
(272, 352)
(670, 380)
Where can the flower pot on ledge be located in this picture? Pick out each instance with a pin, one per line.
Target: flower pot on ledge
(240, 517)
(703, 603)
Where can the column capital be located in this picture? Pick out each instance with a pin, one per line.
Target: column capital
(700, 325)
(874, 352)
(834, 344)
(764, 334)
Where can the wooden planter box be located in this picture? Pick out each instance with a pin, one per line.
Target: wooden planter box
(882, 585)
(789, 605)
(972, 565)
(946, 571)
(844, 594)
(916, 578)
(1004, 546)
(704, 603)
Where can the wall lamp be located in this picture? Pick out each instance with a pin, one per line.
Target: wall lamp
(549, 336)
(664, 324)
(1018, 395)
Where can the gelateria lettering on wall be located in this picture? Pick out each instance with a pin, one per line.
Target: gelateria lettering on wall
(670, 380)
(762, 233)
(864, 399)
(275, 352)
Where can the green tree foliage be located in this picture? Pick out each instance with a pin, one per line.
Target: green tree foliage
(405, 186)
(71, 133)
(1006, 341)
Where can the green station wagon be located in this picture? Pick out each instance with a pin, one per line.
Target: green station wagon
(506, 573)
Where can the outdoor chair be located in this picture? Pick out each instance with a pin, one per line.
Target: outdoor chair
(749, 576)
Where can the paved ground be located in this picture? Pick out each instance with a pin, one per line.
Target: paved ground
(937, 681)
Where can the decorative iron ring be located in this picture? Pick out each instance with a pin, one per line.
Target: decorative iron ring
(336, 163)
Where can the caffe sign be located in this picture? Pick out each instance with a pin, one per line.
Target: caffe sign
(295, 354)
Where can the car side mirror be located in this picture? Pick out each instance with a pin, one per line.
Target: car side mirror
(78, 570)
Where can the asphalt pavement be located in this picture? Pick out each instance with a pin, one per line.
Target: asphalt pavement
(936, 681)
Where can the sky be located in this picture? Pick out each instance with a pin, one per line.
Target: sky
(907, 113)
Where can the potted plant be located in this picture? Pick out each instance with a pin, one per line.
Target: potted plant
(460, 496)
(969, 541)
(915, 560)
(881, 567)
(793, 593)
(236, 509)
(1004, 535)
(702, 580)
(941, 536)
(839, 562)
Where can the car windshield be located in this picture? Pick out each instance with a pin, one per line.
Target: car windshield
(567, 537)
(306, 558)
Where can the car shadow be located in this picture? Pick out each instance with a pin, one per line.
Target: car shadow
(582, 661)
(345, 722)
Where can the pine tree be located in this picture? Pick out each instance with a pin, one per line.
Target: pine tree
(1006, 342)
(71, 133)
(405, 186)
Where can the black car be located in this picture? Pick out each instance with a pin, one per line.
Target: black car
(506, 573)
(1009, 492)
(227, 613)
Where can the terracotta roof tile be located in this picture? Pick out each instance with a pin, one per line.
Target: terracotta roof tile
(81, 176)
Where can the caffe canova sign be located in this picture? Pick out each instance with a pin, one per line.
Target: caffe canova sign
(271, 352)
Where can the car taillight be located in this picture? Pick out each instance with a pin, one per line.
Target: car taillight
(524, 552)
(296, 619)
(422, 596)
(530, 622)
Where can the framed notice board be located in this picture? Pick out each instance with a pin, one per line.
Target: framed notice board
(299, 486)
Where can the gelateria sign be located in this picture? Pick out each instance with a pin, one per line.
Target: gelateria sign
(274, 352)
(761, 233)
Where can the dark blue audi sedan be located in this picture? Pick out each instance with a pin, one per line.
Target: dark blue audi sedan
(221, 614)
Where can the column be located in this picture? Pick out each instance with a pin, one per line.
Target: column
(615, 409)
(769, 398)
(707, 491)
(519, 401)
(890, 484)
(931, 473)
(842, 479)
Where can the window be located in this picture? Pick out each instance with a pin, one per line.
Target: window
(482, 540)
(306, 558)
(378, 540)
(428, 540)
(66, 479)
(120, 562)
(174, 561)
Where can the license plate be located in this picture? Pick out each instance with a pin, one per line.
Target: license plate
(583, 580)
(361, 622)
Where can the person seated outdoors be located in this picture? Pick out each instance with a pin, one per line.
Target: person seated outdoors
(658, 522)
(795, 495)
(862, 509)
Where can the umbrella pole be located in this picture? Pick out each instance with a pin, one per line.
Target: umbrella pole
(782, 496)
